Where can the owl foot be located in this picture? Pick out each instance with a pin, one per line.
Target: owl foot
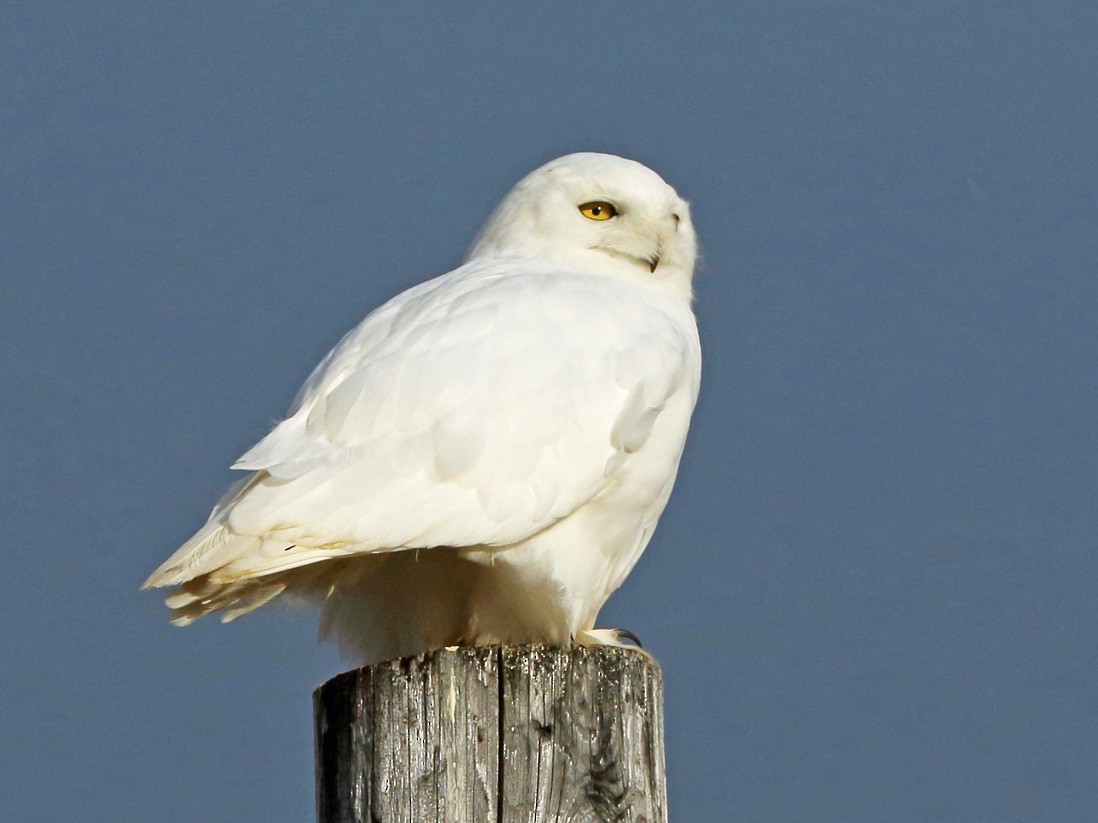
(608, 637)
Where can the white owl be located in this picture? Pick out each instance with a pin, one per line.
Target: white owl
(484, 458)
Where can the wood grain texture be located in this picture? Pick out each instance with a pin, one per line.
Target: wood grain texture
(528, 734)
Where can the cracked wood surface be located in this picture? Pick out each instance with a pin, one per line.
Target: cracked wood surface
(527, 734)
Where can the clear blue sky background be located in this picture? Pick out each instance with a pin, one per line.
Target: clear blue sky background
(874, 591)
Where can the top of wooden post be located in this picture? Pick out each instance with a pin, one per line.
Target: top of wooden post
(492, 734)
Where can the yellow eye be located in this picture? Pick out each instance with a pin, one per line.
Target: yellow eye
(598, 210)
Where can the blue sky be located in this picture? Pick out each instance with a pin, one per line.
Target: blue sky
(873, 593)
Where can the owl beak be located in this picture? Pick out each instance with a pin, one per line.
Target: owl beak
(654, 260)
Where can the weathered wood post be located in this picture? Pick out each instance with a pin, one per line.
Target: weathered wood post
(494, 735)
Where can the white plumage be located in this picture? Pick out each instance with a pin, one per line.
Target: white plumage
(484, 457)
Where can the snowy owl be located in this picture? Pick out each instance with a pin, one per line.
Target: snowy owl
(484, 457)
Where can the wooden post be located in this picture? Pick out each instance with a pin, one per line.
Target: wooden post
(494, 735)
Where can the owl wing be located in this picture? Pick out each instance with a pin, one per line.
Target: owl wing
(473, 410)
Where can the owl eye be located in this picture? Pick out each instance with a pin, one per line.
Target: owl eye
(598, 210)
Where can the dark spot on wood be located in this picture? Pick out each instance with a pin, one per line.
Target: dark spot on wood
(544, 729)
